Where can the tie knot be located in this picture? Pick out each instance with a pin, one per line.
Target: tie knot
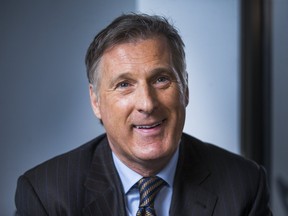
(148, 189)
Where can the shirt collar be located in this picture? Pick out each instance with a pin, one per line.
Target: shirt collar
(129, 177)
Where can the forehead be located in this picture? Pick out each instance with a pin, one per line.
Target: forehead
(137, 53)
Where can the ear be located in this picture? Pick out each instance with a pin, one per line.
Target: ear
(186, 95)
(95, 102)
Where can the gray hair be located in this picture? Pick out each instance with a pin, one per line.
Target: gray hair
(130, 28)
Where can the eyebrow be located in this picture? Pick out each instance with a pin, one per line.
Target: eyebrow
(165, 70)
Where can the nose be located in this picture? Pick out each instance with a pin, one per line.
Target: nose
(146, 99)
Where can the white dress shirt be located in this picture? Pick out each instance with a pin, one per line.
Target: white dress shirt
(129, 178)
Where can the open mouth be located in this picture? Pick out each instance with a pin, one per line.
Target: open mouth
(151, 126)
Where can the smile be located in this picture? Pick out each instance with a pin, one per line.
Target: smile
(148, 126)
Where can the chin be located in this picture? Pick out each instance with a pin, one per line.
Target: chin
(153, 154)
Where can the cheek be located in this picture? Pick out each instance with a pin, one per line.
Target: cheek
(113, 108)
(177, 107)
(173, 100)
(123, 102)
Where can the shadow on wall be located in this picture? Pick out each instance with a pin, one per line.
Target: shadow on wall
(282, 186)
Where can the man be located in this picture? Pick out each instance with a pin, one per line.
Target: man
(138, 90)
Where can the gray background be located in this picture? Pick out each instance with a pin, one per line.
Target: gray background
(280, 105)
(44, 101)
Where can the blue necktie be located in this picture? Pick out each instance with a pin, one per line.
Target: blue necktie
(148, 189)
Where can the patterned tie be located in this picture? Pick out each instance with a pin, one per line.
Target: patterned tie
(148, 188)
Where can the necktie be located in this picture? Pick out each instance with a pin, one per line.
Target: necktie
(148, 189)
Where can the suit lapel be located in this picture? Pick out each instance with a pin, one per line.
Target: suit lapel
(189, 196)
(104, 189)
(105, 194)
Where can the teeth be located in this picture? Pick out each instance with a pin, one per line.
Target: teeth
(147, 126)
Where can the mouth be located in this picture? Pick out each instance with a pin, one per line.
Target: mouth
(149, 126)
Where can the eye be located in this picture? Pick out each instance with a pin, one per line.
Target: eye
(123, 85)
(162, 82)
(162, 79)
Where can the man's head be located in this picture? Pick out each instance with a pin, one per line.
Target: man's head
(141, 89)
(129, 28)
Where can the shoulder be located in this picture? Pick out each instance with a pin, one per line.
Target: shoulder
(75, 161)
(226, 169)
(215, 156)
(57, 183)
(239, 183)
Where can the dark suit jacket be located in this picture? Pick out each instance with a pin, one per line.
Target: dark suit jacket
(208, 181)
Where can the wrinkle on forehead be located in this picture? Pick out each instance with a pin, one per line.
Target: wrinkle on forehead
(144, 53)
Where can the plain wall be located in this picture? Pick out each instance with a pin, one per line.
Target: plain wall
(280, 108)
(44, 99)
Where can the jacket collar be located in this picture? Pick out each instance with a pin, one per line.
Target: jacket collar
(189, 195)
(105, 194)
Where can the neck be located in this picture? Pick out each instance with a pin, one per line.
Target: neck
(149, 168)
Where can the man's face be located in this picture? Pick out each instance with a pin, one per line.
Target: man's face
(140, 102)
